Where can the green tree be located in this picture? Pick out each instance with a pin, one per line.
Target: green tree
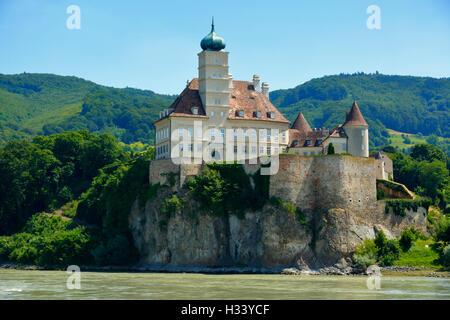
(330, 148)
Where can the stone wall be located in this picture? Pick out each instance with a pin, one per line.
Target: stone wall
(326, 182)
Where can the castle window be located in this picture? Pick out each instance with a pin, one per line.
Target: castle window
(180, 132)
(284, 136)
(213, 75)
(294, 143)
(221, 114)
(318, 142)
(180, 147)
(261, 150)
(241, 113)
(191, 147)
(235, 149)
(199, 147)
(271, 115)
(307, 143)
(194, 110)
(261, 134)
(363, 147)
(253, 149)
(258, 114)
(305, 153)
(220, 75)
(199, 132)
(362, 132)
(268, 135)
(268, 150)
(211, 132)
(276, 136)
(222, 133)
(217, 61)
(217, 88)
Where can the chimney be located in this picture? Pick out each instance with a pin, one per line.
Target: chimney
(256, 83)
(265, 89)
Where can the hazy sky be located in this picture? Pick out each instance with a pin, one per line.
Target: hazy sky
(154, 44)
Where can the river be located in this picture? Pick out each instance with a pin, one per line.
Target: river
(25, 284)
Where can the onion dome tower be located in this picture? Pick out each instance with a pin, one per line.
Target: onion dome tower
(212, 42)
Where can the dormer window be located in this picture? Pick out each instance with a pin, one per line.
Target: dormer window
(307, 143)
(258, 114)
(241, 113)
(194, 110)
(318, 142)
(294, 143)
(271, 115)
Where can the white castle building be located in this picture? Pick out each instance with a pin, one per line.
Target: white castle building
(218, 118)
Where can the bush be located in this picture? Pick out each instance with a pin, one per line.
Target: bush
(442, 229)
(387, 250)
(331, 149)
(445, 258)
(47, 241)
(406, 240)
(364, 260)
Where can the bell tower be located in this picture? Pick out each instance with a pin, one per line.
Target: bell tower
(215, 81)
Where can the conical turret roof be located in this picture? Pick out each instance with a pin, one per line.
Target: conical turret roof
(301, 124)
(355, 117)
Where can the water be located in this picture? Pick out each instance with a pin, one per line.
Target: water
(19, 284)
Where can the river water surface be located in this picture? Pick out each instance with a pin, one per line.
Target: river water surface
(20, 284)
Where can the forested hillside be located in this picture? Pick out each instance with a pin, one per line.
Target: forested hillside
(32, 104)
(402, 103)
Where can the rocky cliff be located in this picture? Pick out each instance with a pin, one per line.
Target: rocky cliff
(335, 194)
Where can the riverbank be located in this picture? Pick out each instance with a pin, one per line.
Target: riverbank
(333, 270)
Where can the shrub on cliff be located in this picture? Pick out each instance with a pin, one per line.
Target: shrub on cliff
(226, 189)
(387, 250)
(47, 241)
(445, 257)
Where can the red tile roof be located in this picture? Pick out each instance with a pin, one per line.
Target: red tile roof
(298, 138)
(355, 117)
(301, 124)
(182, 106)
(242, 97)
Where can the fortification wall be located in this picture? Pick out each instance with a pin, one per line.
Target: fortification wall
(326, 182)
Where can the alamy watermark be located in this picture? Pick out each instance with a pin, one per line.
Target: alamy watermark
(193, 145)
(73, 22)
(373, 282)
(374, 20)
(74, 280)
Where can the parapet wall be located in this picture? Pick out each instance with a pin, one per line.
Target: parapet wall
(326, 182)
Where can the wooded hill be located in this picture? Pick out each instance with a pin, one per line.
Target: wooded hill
(32, 104)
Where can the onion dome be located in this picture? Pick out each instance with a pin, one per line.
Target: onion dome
(212, 42)
(355, 117)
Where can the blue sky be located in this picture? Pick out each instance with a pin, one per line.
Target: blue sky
(154, 44)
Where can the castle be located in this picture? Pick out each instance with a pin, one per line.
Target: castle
(218, 118)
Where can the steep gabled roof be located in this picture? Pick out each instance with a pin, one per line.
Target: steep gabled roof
(355, 117)
(242, 97)
(301, 124)
(182, 106)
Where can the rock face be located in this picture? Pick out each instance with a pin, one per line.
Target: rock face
(336, 193)
(265, 238)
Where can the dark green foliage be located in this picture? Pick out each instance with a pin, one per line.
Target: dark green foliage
(403, 103)
(445, 257)
(387, 250)
(399, 206)
(426, 172)
(406, 240)
(32, 104)
(442, 229)
(331, 148)
(48, 172)
(226, 189)
(427, 152)
(107, 204)
(48, 241)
